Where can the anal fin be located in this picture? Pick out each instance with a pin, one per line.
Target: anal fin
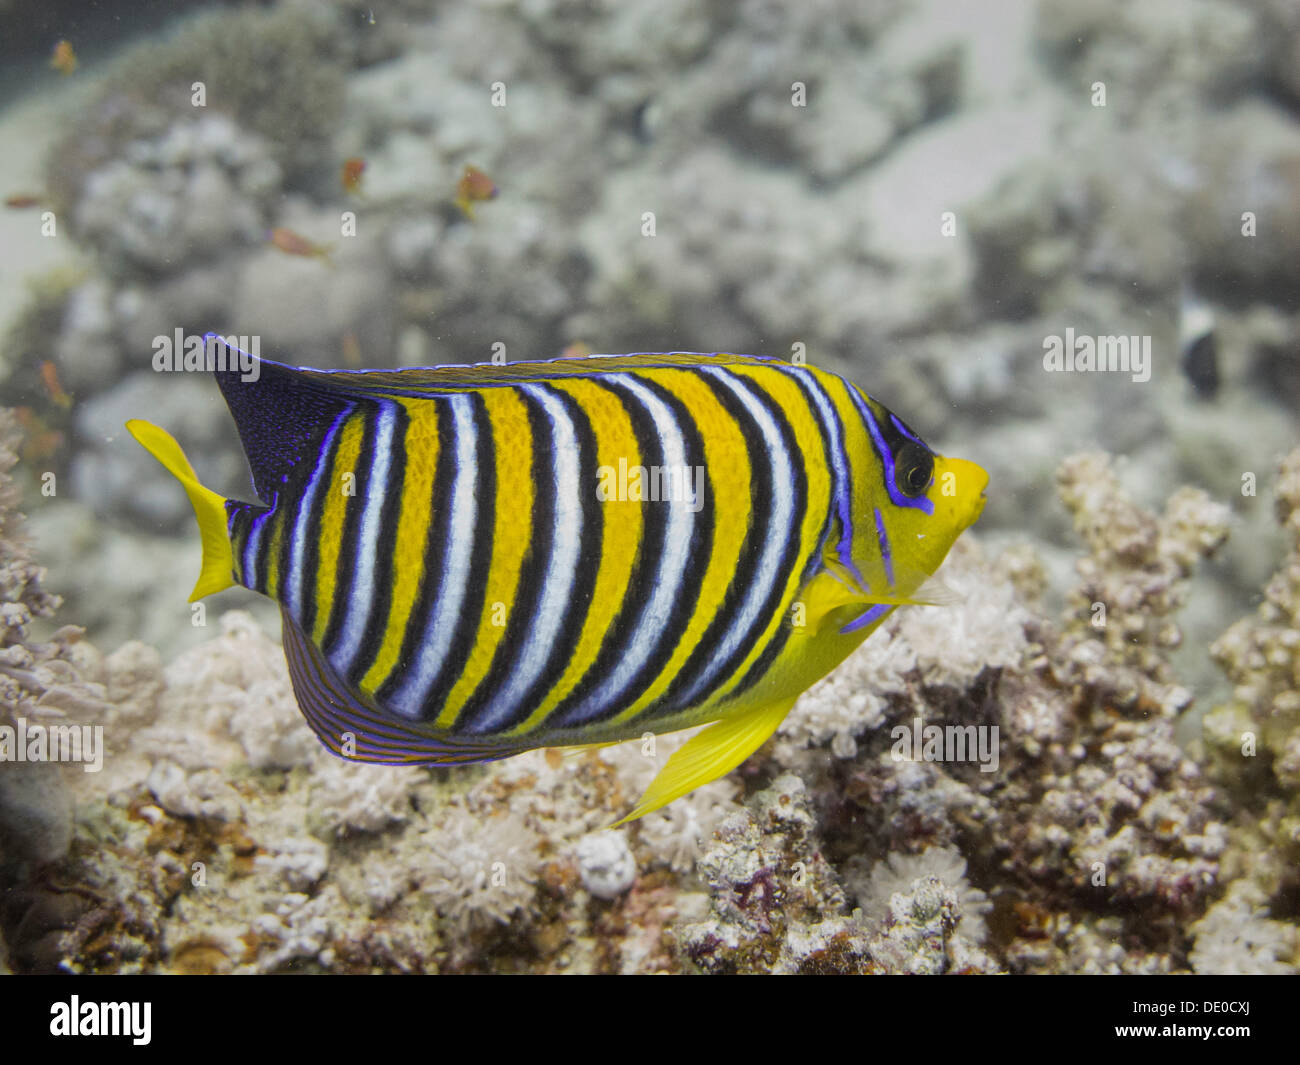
(354, 729)
(709, 754)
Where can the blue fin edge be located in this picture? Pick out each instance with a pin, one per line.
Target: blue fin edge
(333, 710)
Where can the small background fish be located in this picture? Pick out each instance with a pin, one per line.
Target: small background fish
(293, 243)
(474, 187)
(350, 174)
(63, 58)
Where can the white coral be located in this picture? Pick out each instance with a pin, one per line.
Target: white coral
(605, 864)
(937, 646)
(481, 870)
(240, 679)
(301, 862)
(678, 833)
(1237, 937)
(359, 797)
(898, 875)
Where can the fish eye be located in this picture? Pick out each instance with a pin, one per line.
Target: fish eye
(913, 469)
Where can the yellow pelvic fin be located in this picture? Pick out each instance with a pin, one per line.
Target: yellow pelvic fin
(709, 754)
(217, 573)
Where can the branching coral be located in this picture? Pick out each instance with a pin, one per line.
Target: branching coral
(1252, 743)
(1135, 574)
(1261, 656)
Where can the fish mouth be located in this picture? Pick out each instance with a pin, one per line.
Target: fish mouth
(978, 501)
(971, 482)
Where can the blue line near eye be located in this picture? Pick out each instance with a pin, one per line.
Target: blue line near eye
(885, 553)
(906, 431)
(887, 459)
(862, 621)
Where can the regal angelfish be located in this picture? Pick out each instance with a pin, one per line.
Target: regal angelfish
(474, 561)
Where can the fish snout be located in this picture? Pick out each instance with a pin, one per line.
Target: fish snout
(969, 483)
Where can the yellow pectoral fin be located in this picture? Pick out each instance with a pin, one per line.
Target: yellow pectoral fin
(709, 754)
(824, 599)
(835, 587)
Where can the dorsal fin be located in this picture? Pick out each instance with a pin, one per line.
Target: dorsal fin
(438, 380)
(283, 412)
(281, 416)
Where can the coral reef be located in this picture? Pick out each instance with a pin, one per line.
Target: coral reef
(1095, 829)
(220, 836)
(1236, 938)
(40, 682)
(777, 905)
(273, 73)
(1252, 745)
(915, 194)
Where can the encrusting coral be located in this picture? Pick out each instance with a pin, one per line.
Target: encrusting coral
(1077, 837)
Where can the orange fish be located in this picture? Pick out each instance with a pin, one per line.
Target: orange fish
(292, 243)
(576, 350)
(53, 386)
(39, 440)
(474, 187)
(22, 201)
(350, 176)
(64, 59)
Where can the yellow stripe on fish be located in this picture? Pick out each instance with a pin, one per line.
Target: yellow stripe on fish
(422, 445)
(477, 561)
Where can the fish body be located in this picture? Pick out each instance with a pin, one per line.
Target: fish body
(64, 58)
(53, 386)
(1198, 344)
(474, 187)
(475, 561)
(40, 441)
(351, 173)
(293, 243)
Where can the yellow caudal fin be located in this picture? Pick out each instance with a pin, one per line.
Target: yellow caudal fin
(217, 573)
(709, 754)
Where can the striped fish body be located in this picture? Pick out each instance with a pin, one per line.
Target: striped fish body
(477, 561)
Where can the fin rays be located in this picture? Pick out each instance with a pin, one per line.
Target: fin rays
(709, 754)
